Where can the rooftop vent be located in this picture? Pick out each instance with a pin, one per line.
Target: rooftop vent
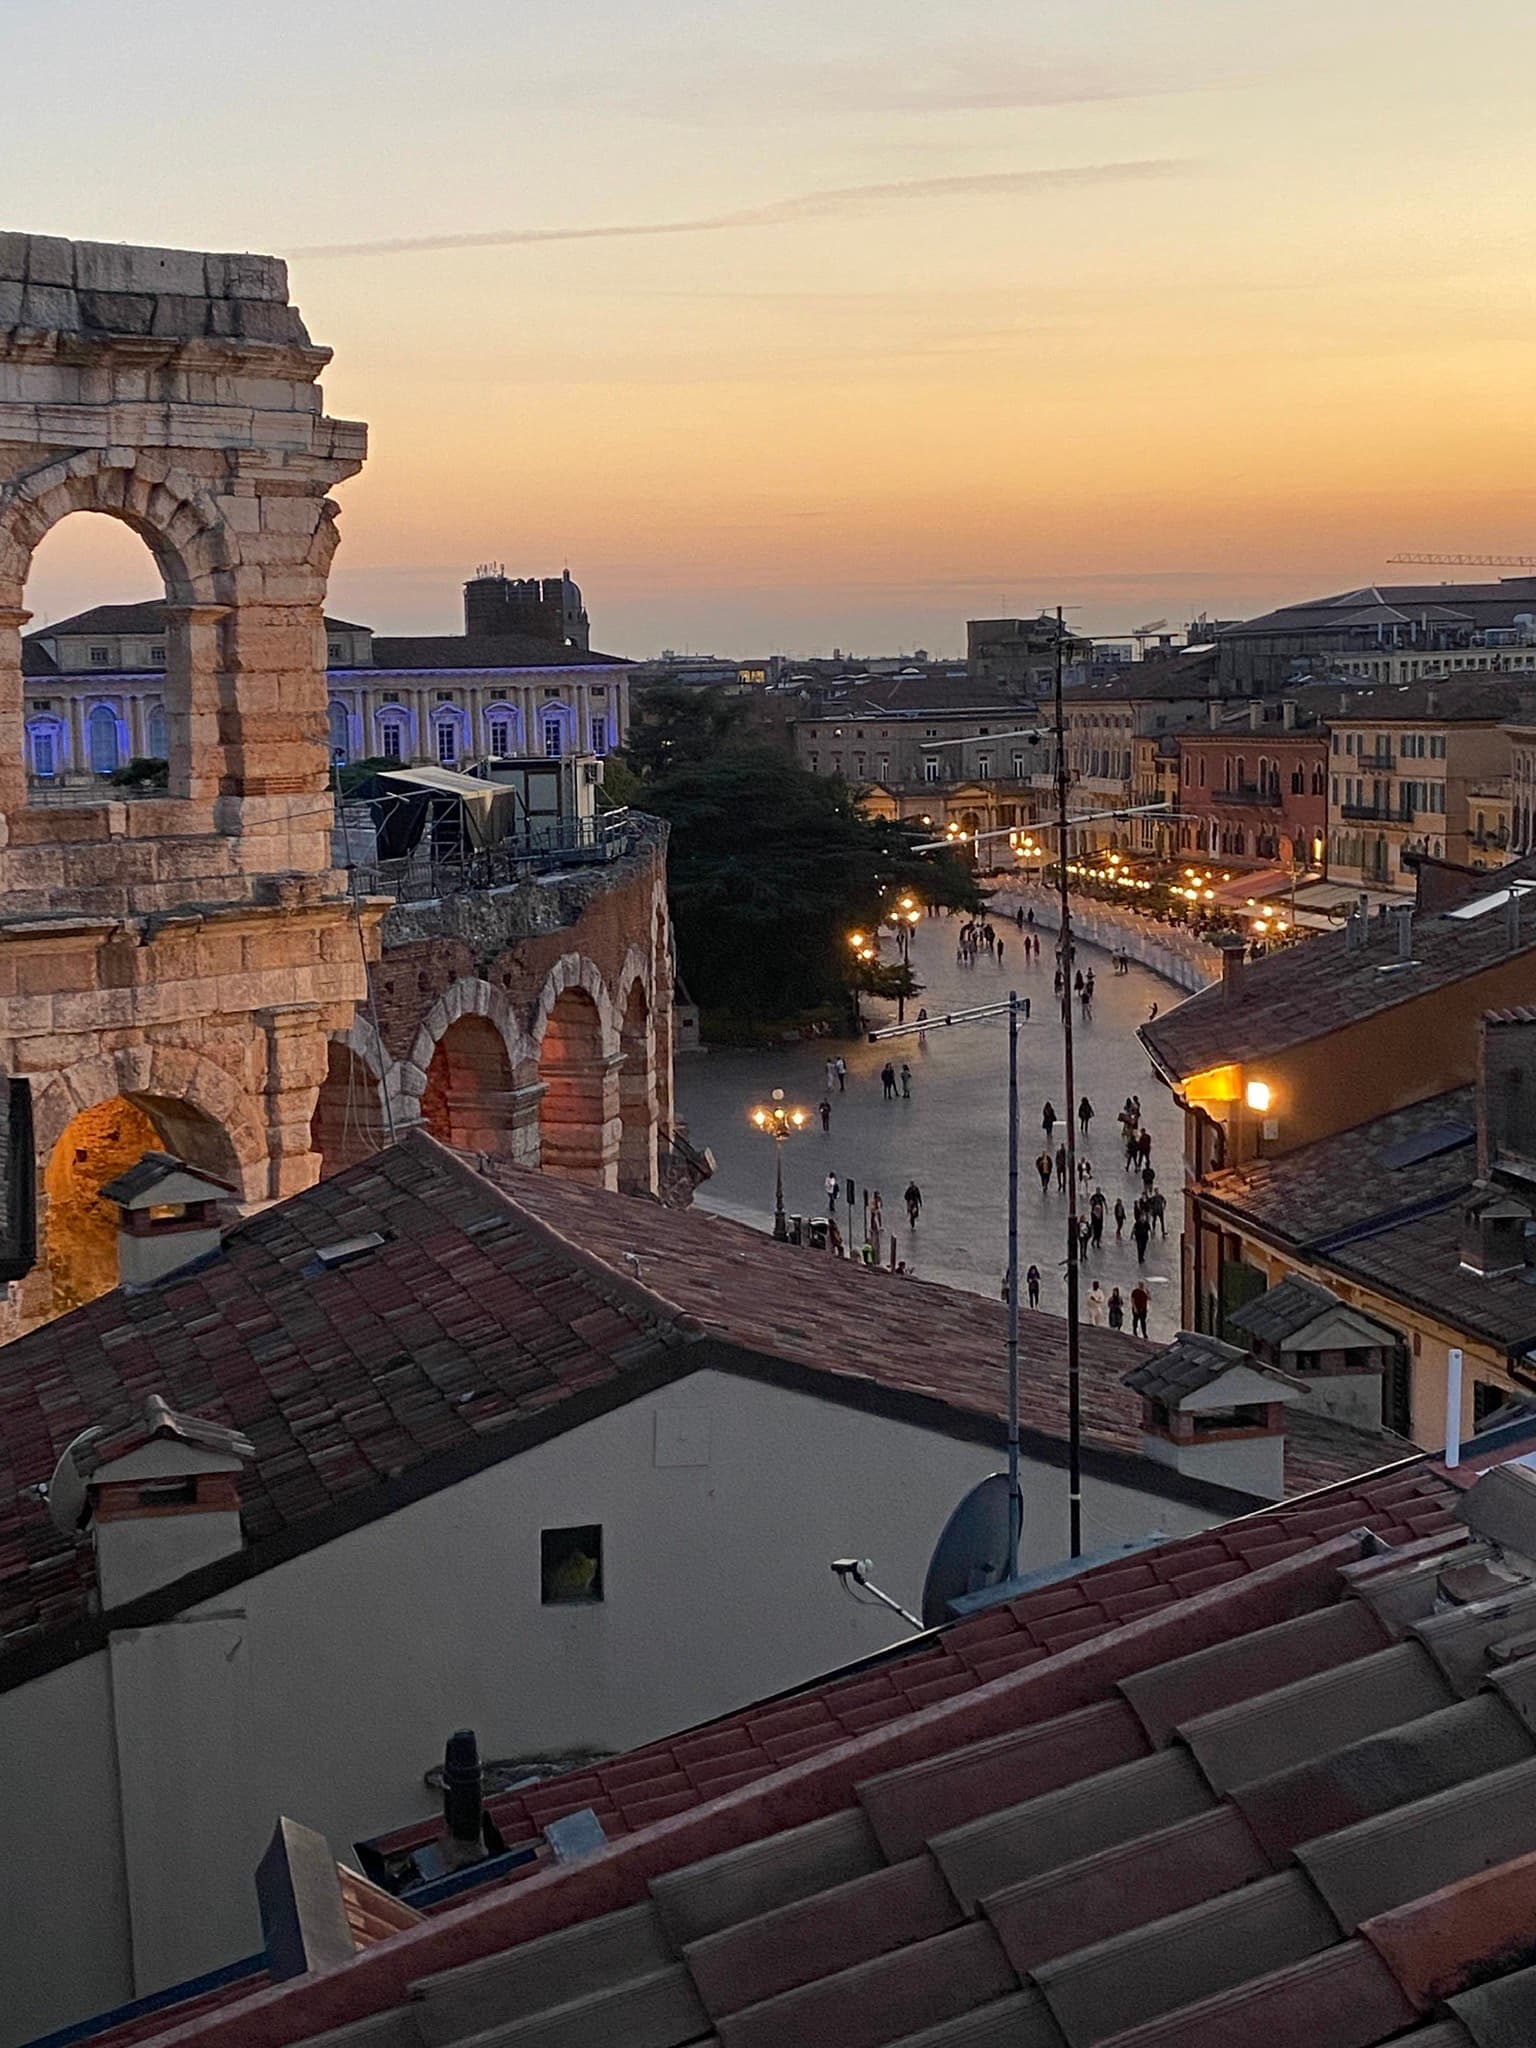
(347, 1250)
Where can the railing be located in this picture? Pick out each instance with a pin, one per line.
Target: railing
(426, 874)
(1250, 794)
(1382, 811)
(55, 794)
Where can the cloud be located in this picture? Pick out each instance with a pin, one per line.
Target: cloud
(834, 202)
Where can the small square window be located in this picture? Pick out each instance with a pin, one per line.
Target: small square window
(571, 1566)
(157, 656)
(100, 656)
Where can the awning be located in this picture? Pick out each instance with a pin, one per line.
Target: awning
(1261, 883)
(489, 807)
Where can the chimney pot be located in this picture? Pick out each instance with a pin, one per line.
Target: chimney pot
(1233, 968)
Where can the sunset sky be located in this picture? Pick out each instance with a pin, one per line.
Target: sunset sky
(794, 325)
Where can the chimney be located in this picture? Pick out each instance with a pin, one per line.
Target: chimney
(1213, 1412)
(168, 1218)
(1213, 712)
(1256, 714)
(1233, 966)
(469, 1834)
(1288, 714)
(162, 1498)
(1403, 912)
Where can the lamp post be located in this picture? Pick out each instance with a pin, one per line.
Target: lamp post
(777, 1122)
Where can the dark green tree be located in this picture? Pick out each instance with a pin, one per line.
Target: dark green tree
(672, 726)
(769, 870)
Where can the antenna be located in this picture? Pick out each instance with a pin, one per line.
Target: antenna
(973, 1551)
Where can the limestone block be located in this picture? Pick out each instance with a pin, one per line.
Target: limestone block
(50, 260)
(245, 277)
(116, 312)
(13, 255)
(179, 314)
(50, 306)
(11, 294)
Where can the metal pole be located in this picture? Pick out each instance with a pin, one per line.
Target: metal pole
(1074, 1378)
(780, 1226)
(1015, 1496)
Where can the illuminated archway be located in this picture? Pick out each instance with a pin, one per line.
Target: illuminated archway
(469, 1094)
(578, 1110)
(637, 1097)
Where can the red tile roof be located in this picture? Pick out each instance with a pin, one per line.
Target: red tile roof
(493, 1308)
(885, 1945)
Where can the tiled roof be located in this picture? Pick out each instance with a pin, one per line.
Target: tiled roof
(1282, 1310)
(1487, 697)
(491, 1305)
(1194, 1360)
(1346, 1182)
(915, 696)
(1247, 1788)
(1306, 992)
(147, 616)
(461, 650)
(1419, 1261)
(1484, 604)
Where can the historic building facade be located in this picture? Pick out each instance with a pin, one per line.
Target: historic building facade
(184, 968)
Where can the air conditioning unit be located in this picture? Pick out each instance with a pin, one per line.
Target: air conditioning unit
(591, 773)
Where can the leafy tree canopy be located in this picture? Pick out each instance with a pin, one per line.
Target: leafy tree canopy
(674, 726)
(770, 869)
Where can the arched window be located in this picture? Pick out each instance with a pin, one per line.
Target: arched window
(446, 733)
(503, 731)
(45, 747)
(339, 726)
(101, 739)
(393, 736)
(155, 737)
(552, 720)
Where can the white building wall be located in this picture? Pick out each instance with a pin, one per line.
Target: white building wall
(348, 1667)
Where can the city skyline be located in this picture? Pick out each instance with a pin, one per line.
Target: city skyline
(787, 334)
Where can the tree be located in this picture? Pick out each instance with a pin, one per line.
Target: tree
(672, 726)
(770, 868)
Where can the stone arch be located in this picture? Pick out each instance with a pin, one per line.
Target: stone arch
(469, 1095)
(579, 1055)
(508, 1125)
(349, 1121)
(98, 1118)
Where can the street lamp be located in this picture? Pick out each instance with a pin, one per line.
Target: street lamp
(778, 1123)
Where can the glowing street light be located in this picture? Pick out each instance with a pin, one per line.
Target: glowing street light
(779, 1123)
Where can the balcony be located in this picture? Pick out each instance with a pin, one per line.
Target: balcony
(1382, 812)
(1250, 795)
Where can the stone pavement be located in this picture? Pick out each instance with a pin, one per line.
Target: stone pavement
(952, 1136)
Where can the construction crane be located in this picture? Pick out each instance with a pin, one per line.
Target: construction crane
(1468, 561)
(1142, 634)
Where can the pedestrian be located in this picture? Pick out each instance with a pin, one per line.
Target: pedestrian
(1032, 1282)
(1003, 1289)
(1148, 1177)
(1159, 1211)
(914, 1201)
(842, 1073)
(831, 1075)
(1043, 1168)
(1048, 1120)
(1141, 1301)
(824, 1111)
(1132, 1148)
(1084, 1234)
(1077, 981)
(1058, 981)
(1030, 918)
(999, 952)
(832, 1186)
(1116, 1309)
(1151, 1013)
(1085, 1114)
(1096, 1305)
(922, 1018)
(1061, 1166)
(876, 1214)
(1141, 1232)
(906, 1082)
(1018, 918)
(835, 1239)
(1144, 1147)
(1096, 1209)
(1119, 1219)
(869, 1254)
(1088, 984)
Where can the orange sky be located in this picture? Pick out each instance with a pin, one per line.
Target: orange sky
(788, 326)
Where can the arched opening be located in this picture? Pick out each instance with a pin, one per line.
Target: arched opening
(468, 1098)
(339, 726)
(98, 588)
(348, 1123)
(637, 1098)
(575, 1139)
(79, 1228)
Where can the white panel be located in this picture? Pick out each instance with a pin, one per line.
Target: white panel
(682, 1436)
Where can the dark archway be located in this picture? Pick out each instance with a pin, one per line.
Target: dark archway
(348, 1123)
(573, 1111)
(469, 1093)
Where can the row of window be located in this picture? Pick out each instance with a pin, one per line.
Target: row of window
(1414, 746)
(1410, 797)
(503, 730)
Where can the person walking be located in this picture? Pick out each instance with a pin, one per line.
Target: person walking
(1085, 1114)
(1018, 918)
(1061, 1167)
(999, 952)
(1141, 1231)
(1158, 1211)
(1116, 1309)
(914, 1201)
(1044, 1168)
(1141, 1301)
(922, 1018)
(1096, 1209)
(841, 1066)
(824, 1111)
(831, 1075)
(1084, 1236)
(835, 1239)
(1148, 1177)
(1032, 1282)
(832, 1187)
(906, 1082)
(1096, 1305)
(1119, 1219)
(1144, 1145)
(1048, 1120)
(888, 1081)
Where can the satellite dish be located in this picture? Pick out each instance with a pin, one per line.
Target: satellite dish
(972, 1553)
(66, 1489)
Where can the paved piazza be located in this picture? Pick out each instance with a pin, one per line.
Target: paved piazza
(952, 1136)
